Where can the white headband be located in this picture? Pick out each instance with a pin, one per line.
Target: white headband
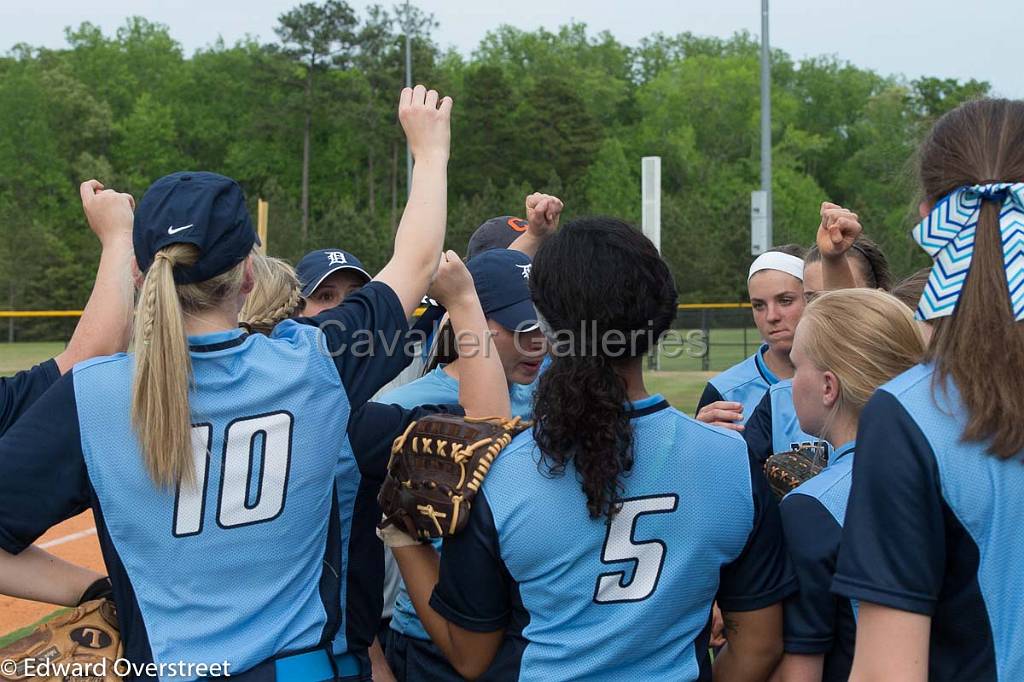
(776, 260)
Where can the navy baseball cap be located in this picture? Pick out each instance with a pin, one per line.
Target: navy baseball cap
(204, 209)
(496, 233)
(316, 266)
(502, 280)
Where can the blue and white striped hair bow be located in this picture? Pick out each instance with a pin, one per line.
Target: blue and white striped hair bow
(947, 234)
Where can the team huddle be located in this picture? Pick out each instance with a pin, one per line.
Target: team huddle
(234, 459)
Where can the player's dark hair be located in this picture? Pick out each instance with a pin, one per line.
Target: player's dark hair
(980, 345)
(909, 289)
(870, 260)
(601, 275)
(789, 250)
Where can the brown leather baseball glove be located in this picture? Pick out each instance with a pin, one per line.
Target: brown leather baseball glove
(436, 469)
(786, 470)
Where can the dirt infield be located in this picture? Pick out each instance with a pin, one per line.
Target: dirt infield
(75, 541)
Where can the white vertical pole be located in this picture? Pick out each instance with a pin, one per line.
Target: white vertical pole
(650, 189)
(766, 121)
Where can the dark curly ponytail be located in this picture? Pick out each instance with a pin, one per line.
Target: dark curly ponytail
(605, 296)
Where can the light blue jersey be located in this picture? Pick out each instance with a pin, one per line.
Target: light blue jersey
(933, 527)
(774, 426)
(437, 387)
(630, 599)
(744, 383)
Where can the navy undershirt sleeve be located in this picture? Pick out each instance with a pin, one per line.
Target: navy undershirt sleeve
(761, 575)
(710, 395)
(366, 336)
(758, 430)
(43, 478)
(893, 550)
(373, 428)
(17, 393)
(474, 587)
(812, 538)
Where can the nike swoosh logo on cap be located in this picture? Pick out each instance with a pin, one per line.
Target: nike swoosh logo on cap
(176, 230)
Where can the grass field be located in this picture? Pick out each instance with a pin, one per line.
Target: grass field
(15, 357)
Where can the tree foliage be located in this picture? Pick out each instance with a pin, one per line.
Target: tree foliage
(564, 111)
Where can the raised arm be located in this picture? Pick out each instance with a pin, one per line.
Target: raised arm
(421, 231)
(838, 230)
(482, 385)
(105, 326)
(542, 214)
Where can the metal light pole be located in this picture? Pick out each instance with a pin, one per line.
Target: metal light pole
(407, 26)
(766, 120)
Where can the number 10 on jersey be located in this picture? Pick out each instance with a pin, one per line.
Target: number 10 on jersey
(264, 440)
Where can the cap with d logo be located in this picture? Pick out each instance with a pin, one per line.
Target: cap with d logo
(316, 266)
(204, 209)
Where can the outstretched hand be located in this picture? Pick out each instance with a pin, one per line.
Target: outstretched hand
(426, 120)
(838, 230)
(110, 214)
(542, 214)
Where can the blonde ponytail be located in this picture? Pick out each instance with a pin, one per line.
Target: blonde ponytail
(274, 297)
(163, 370)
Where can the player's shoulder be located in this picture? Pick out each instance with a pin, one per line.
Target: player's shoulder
(102, 366)
(910, 382)
(836, 478)
(434, 387)
(714, 436)
(781, 387)
(739, 376)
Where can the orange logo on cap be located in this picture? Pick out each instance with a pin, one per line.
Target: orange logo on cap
(518, 224)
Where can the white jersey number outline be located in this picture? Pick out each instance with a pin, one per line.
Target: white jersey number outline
(620, 545)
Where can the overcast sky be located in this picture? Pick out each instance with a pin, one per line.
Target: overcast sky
(947, 38)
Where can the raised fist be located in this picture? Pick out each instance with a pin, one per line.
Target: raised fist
(427, 123)
(838, 230)
(542, 213)
(110, 214)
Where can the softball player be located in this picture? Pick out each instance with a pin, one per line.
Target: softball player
(498, 276)
(775, 286)
(848, 343)
(931, 547)
(212, 461)
(607, 532)
(327, 276)
(103, 328)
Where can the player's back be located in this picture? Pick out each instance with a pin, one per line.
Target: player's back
(239, 557)
(630, 599)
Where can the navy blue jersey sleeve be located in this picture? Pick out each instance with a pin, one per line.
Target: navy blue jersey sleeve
(23, 389)
(761, 575)
(43, 479)
(710, 395)
(893, 550)
(366, 337)
(374, 427)
(758, 430)
(812, 538)
(474, 589)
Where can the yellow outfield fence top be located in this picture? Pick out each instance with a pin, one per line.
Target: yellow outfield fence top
(419, 311)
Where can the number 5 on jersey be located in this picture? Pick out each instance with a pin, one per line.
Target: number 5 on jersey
(621, 545)
(264, 440)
